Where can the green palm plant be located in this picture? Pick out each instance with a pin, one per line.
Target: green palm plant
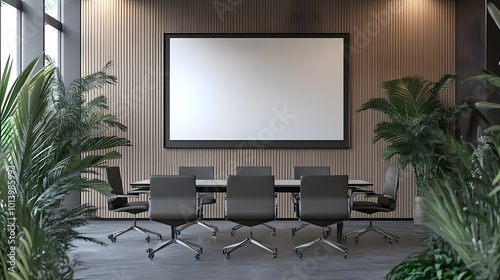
(416, 120)
(462, 204)
(51, 136)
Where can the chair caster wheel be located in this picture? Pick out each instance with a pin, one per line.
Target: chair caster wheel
(200, 250)
(344, 238)
(110, 236)
(223, 251)
(151, 256)
(328, 232)
(228, 256)
(389, 240)
(113, 239)
(299, 255)
(275, 250)
(274, 232)
(232, 232)
(345, 255)
(295, 251)
(178, 232)
(159, 236)
(356, 239)
(197, 257)
(214, 233)
(147, 239)
(275, 255)
(396, 239)
(216, 229)
(294, 230)
(149, 251)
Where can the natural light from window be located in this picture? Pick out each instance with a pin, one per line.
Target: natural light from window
(10, 40)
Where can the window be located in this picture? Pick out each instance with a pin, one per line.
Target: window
(10, 40)
(52, 44)
(52, 8)
(52, 31)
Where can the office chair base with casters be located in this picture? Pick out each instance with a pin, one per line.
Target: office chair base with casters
(228, 249)
(387, 235)
(272, 229)
(213, 229)
(135, 227)
(321, 240)
(303, 225)
(175, 240)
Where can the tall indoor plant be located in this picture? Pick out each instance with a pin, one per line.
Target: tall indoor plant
(50, 134)
(416, 121)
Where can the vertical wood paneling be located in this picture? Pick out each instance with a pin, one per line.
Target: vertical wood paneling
(389, 39)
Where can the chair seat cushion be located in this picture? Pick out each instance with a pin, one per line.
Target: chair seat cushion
(369, 207)
(133, 207)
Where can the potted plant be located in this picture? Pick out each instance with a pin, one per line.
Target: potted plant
(50, 135)
(416, 121)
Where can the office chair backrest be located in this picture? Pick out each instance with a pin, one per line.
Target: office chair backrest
(253, 170)
(250, 199)
(172, 199)
(324, 197)
(310, 170)
(391, 186)
(114, 179)
(201, 172)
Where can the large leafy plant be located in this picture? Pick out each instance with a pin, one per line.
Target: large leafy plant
(463, 203)
(50, 136)
(416, 121)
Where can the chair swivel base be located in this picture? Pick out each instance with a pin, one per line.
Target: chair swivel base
(272, 229)
(175, 240)
(135, 227)
(303, 225)
(228, 249)
(387, 235)
(321, 240)
(213, 229)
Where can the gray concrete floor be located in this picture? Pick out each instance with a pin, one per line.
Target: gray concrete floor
(126, 259)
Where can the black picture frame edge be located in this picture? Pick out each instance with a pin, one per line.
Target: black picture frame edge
(248, 144)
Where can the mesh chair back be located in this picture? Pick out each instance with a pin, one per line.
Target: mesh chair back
(310, 170)
(250, 199)
(391, 186)
(253, 170)
(173, 199)
(324, 199)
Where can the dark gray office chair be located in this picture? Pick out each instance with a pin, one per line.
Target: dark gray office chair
(120, 204)
(298, 171)
(173, 202)
(250, 202)
(201, 172)
(254, 171)
(323, 202)
(386, 202)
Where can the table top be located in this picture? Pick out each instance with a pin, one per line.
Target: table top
(279, 185)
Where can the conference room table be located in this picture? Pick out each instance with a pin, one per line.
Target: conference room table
(203, 185)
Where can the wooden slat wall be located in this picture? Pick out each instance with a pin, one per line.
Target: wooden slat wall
(389, 39)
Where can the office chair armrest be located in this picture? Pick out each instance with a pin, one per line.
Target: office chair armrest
(128, 195)
(138, 191)
(378, 195)
(355, 193)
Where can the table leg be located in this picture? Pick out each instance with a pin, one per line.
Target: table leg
(340, 227)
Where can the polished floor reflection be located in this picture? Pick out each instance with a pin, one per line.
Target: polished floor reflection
(126, 259)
